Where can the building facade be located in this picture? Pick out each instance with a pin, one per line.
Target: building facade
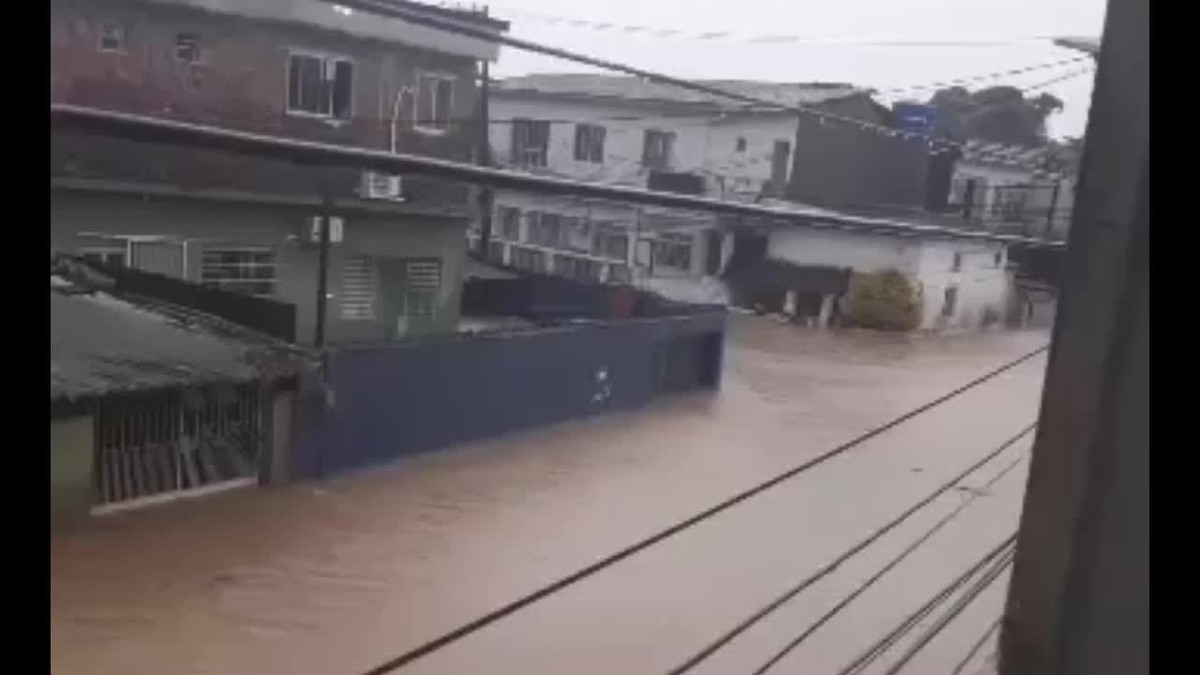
(1004, 188)
(962, 284)
(303, 69)
(622, 131)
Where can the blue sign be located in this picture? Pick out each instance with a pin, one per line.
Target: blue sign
(914, 118)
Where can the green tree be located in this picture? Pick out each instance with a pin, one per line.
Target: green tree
(995, 114)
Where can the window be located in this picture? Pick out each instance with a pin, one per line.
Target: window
(528, 259)
(779, 163)
(422, 282)
(656, 149)
(510, 223)
(530, 139)
(107, 257)
(187, 47)
(611, 242)
(545, 229)
(242, 270)
(673, 251)
(740, 145)
(112, 37)
(956, 266)
(950, 301)
(589, 143)
(495, 251)
(320, 86)
(435, 101)
(618, 274)
(579, 269)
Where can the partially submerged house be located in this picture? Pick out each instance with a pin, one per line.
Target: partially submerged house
(806, 272)
(151, 401)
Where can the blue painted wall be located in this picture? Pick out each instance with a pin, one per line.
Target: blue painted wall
(394, 400)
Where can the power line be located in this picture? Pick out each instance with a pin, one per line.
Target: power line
(971, 594)
(876, 650)
(156, 130)
(764, 38)
(1060, 78)
(842, 604)
(977, 645)
(987, 76)
(449, 26)
(583, 573)
(827, 569)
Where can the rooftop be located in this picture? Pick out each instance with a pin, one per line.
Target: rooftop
(101, 343)
(629, 88)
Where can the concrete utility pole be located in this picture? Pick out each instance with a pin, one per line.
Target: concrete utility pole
(1079, 597)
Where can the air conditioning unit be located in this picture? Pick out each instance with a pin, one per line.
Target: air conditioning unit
(336, 230)
(377, 185)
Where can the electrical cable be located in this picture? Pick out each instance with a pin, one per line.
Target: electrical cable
(842, 604)
(632, 549)
(828, 568)
(986, 76)
(977, 645)
(660, 32)
(872, 653)
(449, 26)
(968, 597)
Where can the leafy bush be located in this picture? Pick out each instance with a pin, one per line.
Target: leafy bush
(883, 301)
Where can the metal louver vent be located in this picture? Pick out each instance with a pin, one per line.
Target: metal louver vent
(359, 284)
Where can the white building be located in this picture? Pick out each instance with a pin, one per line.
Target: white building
(623, 131)
(963, 284)
(1008, 191)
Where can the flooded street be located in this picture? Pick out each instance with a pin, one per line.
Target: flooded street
(338, 576)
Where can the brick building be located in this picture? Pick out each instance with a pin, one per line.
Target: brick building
(305, 69)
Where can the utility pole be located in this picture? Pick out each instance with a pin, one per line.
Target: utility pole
(323, 265)
(1079, 600)
(486, 195)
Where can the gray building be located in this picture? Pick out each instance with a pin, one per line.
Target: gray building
(303, 69)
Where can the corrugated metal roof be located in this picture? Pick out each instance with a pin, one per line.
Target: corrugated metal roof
(101, 344)
(631, 88)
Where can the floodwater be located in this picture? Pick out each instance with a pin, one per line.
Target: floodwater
(336, 577)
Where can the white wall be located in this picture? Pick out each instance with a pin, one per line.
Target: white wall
(745, 173)
(982, 282)
(704, 144)
(861, 252)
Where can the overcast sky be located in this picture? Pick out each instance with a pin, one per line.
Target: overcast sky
(835, 53)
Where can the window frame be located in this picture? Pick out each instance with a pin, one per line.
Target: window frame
(322, 58)
(680, 245)
(223, 284)
(420, 124)
(196, 47)
(123, 40)
(949, 301)
(103, 252)
(586, 149)
(502, 213)
(668, 149)
(520, 153)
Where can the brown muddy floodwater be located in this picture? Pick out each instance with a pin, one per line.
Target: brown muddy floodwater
(338, 576)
